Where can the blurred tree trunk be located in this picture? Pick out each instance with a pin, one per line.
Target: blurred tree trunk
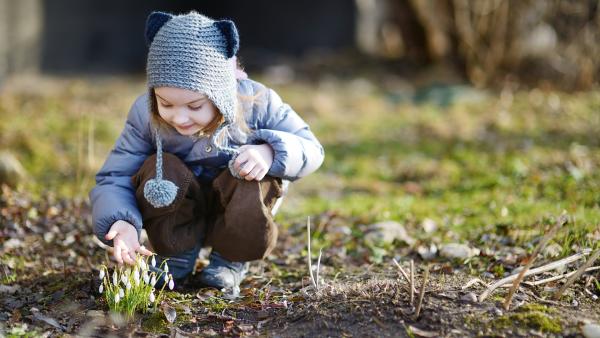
(20, 36)
(538, 41)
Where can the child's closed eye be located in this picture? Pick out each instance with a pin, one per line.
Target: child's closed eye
(196, 107)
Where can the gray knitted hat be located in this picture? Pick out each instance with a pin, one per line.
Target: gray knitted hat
(193, 52)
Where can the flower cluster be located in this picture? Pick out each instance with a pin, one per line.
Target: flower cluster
(131, 289)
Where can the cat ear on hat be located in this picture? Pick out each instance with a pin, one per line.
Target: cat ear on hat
(153, 24)
(227, 28)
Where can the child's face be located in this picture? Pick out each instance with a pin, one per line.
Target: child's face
(185, 110)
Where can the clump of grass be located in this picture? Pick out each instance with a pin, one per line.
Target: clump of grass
(132, 289)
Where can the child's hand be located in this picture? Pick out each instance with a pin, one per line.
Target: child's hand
(125, 242)
(254, 161)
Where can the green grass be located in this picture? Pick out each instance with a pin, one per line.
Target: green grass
(505, 163)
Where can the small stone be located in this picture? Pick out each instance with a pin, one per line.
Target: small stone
(458, 251)
(13, 243)
(497, 311)
(488, 274)
(10, 289)
(575, 303)
(469, 297)
(429, 225)
(427, 253)
(386, 232)
(591, 330)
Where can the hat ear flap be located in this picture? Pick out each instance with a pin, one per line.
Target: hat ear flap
(153, 24)
(227, 28)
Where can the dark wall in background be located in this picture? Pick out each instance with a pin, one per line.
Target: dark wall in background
(107, 36)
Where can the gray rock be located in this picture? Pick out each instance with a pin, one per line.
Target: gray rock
(429, 225)
(458, 251)
(591, 330)
(386, 232)
(427, 253)
(469, 297)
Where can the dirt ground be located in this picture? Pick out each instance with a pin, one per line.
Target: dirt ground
(49, 262)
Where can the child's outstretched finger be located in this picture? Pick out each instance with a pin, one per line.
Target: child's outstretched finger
(117, 254)
(127, 256)
(111, 234)
(142, 249)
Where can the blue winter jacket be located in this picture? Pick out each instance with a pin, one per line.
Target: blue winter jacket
(297, 153)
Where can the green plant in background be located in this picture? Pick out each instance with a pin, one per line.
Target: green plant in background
(131, 289)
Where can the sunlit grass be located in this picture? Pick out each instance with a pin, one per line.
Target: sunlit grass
(510, 159)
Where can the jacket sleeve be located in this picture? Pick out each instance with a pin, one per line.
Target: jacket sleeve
(113, 197)
(297, 152)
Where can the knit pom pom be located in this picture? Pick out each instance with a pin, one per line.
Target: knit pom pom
(232, 170)
(227, 28)
(160, 193)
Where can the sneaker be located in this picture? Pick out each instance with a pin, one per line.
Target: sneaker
(221, 273)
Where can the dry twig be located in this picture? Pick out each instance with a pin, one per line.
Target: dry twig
(319, 266)
(577, 274)
(312, 278)
(405, 275)
(563, 219)
(559, 277)
(422, 293)
(541, 269)
(412, 282)
(401, 270)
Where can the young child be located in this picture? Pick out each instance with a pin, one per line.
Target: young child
(230, 148)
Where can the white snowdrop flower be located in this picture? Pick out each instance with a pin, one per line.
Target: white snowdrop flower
(121, 293)
(153, 280)
(151, 297)
(115, 279)
(101, 276)
(145, 277)
(153, 261)
(166, 268)
(117, 298)
(136, 277)
(128, 285)
(101, 288)
(142, 264)
(124, 279)
(171, 284)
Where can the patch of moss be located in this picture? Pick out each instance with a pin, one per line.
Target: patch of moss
(215, 304)
(155, 323)
(537, 320)
(474, 321)
(536, 307)
(497, 298)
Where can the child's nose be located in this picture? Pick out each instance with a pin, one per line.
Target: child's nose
(180, 118)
